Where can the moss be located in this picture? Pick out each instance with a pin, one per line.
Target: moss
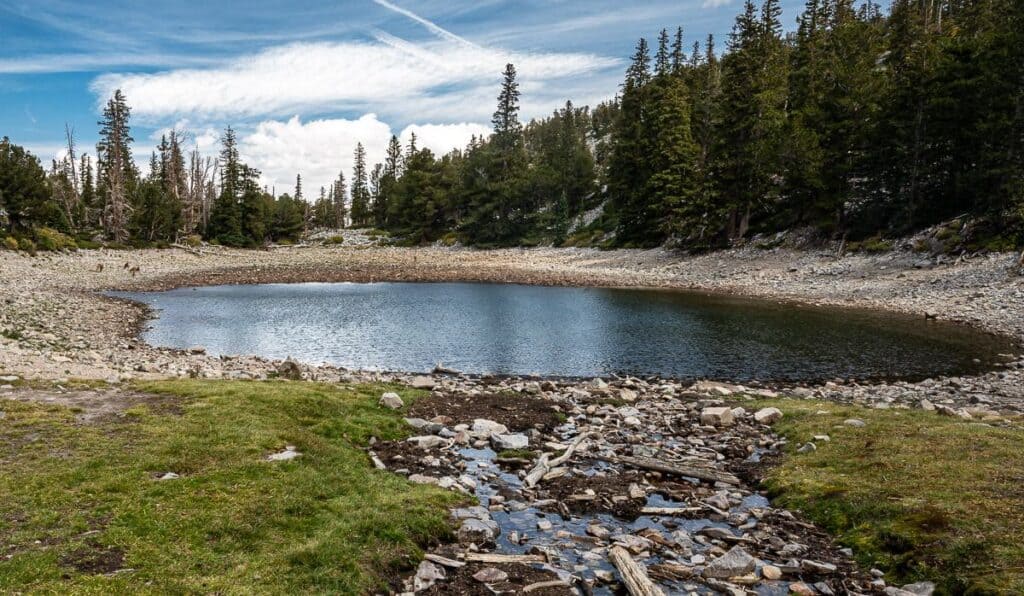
(518, 454)
(921, 496)
(327, 522)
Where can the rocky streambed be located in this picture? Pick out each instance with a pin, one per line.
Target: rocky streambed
(597, 487)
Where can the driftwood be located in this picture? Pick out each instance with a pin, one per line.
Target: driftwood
(496, 558)
(444, 561)
(634, 575)
(188, 249)
(670, 510)
(709, 474)
(545, 464)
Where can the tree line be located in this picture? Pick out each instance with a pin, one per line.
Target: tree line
(857, 123)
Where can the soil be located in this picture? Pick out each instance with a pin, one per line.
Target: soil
(403, 455)
(99, 406)
(607, 487)
(517, 412)
(95, 559)
(460, 581)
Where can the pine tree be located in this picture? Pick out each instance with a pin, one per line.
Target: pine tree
(225, 223)
(119, 175)
(340, 208)
(361, 213)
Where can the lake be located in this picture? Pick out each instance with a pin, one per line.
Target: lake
(556, 331)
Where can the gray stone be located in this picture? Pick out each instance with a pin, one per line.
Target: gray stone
(807, 448)
(720, 416)
(427, 574)
(817, 566)
(288, 454)
(391, 400)
(733, 563)
(855, 422)
(920, 588)
(478, 531)
(422, 382)
(428, 441)
(490, 575)
(485, 428)
(502, 442)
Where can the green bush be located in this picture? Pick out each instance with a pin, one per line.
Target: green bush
(27, 245)
(193, 241)
(11, 243)
(338, 239)
(50, 239)
(449, 239)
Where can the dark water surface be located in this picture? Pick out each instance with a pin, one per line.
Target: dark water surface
(515, 329)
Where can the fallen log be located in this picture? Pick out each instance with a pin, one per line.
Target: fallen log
(709, 474)
(545, 464)
(443, 561)
(634, 575)
(496, 558)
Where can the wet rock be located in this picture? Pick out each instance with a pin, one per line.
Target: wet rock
(717, 416)
(502, 442)
(391, 400)
(768, 415)
(478, 531)
(734, 563)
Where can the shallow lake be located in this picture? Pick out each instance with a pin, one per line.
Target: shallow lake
(553, 331)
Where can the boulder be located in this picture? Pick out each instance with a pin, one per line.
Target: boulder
(426, 575)
(768, 415)
(734, 563)
(422, 382)
(486, 428)
(478, 531)
(289, 369)
(391, 400)
(502, 442)
(720, 416)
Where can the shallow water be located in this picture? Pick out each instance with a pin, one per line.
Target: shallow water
(553, 331)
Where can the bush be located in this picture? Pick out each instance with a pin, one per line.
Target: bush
(50, 239)
(335, 239)
(449, 239)
(193, 241)
(27, 245)
(11, 243)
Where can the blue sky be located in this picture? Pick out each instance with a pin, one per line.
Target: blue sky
(303, 81)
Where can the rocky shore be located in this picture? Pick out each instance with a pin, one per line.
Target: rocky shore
(582, 485)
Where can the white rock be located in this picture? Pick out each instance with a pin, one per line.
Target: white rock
(733, 563)
(502, 442)
(391, 400)
(486, 428)
(428, 441)
(720, 416)
(422, 382)
(288, 454)
(768, 415)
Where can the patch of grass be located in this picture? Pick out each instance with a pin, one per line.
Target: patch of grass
(518, 453)
(918, 495)
(326, 522)
(333, 240)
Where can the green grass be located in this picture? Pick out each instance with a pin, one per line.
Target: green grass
(233, 523)
(918, 495)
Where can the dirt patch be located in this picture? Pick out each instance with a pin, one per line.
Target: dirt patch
(517, 412)
(461, 581)
(610, 494)
(94, 559)
(101, 405)
(403, 455)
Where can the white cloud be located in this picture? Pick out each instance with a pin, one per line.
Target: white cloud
(715, 3)
(319, 149)
(389, 75)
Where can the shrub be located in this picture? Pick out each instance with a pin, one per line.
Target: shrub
(449, 239)
(193, 241)
(11, 243)
(27, 245)
(50, 239)
(338, 239)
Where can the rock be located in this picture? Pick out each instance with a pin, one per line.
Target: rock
(920, 588)
(855, 422)
(428, 441)
(9, 378)
(733, 563)
(170, 476)
(425, 425)
(720, 416)
(478, 531)
(768, 415)
(801, 589)
(486, 428)
(771, 572)
(817, 567)
(501, 442)
(421, 479)
(422, 382)
(427, 574)
(391, 400)
(289, 369)
(807, 448)
(288, 454)
(490, 575)
(544, 525)
(598, 531)
(631, 421)
(926, 405)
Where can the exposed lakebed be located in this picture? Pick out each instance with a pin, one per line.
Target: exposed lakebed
(560, 331)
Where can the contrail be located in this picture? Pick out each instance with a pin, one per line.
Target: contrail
(436, 30)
